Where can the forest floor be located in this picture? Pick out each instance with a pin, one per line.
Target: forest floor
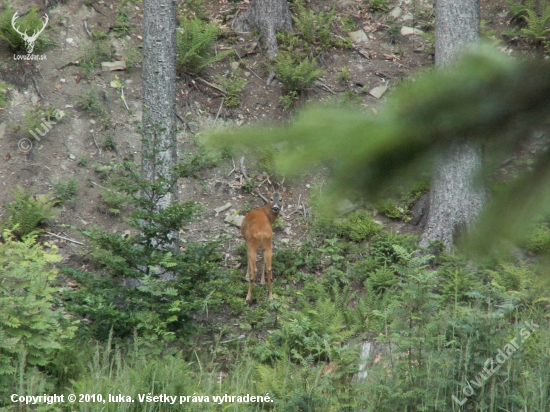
(75, 148)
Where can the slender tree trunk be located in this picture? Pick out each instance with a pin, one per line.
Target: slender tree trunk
(456, 196)
(159, 147)
(269, 17)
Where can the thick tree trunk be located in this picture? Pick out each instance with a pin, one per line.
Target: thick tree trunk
(456, 197)
(159, 149)
(269, 17)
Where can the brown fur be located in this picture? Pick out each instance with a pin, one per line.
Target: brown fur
(258, 234)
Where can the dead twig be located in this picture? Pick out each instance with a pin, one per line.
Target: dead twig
(219, 110)
(248, 68)
(123, 98)
(37, 88)
(96, 145)
(243, 170)
(86, 28)
(64, 238)
(211, 85)
(262, 196)
(234, 167)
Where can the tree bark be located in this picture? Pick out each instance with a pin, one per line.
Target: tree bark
(269, 17)
(456, 196)
(159, 146)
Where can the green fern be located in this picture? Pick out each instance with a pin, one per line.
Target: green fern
(27, 23)
(536, 29)
(296, 71)
(27, 211)
(195, 46)
(314, 27)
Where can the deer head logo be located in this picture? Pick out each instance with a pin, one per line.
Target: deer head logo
(29, 40)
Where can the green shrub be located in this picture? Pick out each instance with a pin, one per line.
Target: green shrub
(314, 27)
(358, 226)
(233, 85)
(98, 51)
(90, 102)
(36, 121)
(27, 211)
(27, 23)
(195, 46)
(33, 325)
(3, 94)
(296, 71)
(379, 5)
(539, 240)
(66, 192)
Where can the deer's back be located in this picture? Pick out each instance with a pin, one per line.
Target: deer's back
(256, 226)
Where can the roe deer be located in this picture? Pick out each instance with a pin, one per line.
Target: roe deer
(257, 232)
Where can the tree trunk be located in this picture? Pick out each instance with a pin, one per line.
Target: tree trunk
(159, 145)
(456, 197)
(269, 17)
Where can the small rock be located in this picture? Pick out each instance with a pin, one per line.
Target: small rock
(72, 157)
(110, 66)
(359, 36)
(63, 80)
(246, 74)
(234, 65)
(70, 40)
(92, 121)
(222, 208)
(113, 84)
(378, 91)
(407, 31)
(407, 17)
(234, 220)
(396, 12)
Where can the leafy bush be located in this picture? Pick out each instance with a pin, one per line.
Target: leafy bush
(89, 102)
(233, 86)
(379, 5)
(32, 323)
(3, 94)
(195, 46)
(27, 23)
(539, 240)
(358, 226)
(98, 51)
(66, 192)
(27, 211)
(314, 27)
(296, 71)
(36, 119)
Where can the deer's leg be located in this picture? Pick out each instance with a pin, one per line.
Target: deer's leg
(262, 281)
(267, 265)
(251, 269)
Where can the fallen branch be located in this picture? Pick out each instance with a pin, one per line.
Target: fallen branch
(234, 167)
(219, 110)
(64, 238)
(37, 88)
(211, 85)
(86, 28)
